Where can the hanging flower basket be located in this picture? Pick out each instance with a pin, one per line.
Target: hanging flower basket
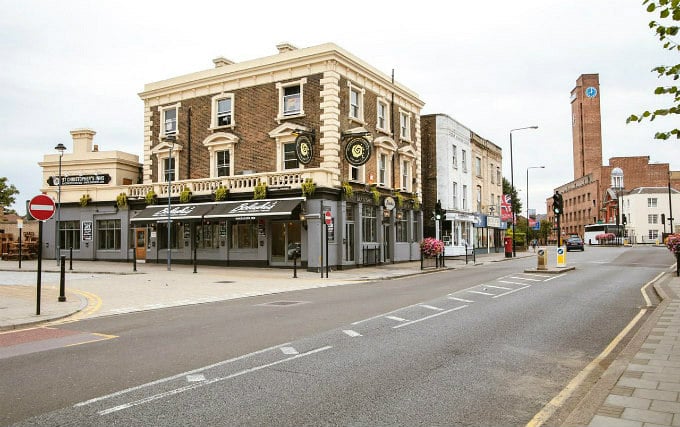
(431, 247)
(673, 244)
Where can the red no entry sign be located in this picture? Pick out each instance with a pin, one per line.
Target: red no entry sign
(41, 207)
(328, 217)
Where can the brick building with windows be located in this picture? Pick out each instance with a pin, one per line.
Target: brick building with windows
(287, 138)
(586, 197)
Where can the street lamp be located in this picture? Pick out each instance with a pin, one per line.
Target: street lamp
(619, 187)
(530, 167)
(60, 148)
(512, 185)
(171, 139)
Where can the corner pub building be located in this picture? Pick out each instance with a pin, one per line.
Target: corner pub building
(257, 157)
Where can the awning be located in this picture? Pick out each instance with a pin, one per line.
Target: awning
(255, 208)
(184, 212)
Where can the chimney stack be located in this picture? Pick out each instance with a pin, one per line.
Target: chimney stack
(82, 140)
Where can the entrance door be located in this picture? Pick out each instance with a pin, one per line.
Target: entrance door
(140, 243)
(285, 235)
(349, 241)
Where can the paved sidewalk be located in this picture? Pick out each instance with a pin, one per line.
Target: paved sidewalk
(647, 393)
(100, 288)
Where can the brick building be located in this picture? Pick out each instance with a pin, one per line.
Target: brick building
(288, 138)
(586, 197)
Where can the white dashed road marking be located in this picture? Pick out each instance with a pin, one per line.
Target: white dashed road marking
(195, 378)
(430, 307)
(398, 319)
(352, 333)
(289, 350)
(460, 299)
(430, 316)
(499, 287)
(482, 293)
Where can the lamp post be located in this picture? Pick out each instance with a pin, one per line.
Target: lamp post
(60, 148)
(171, 139)
(512, 184)
(530, 167)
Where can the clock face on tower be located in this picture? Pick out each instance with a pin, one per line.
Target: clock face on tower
(591, 92)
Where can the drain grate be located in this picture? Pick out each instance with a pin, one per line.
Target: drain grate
(283, 303)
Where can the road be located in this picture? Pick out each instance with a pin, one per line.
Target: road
(482, 346)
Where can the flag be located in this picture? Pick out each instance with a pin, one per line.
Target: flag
(506, 208)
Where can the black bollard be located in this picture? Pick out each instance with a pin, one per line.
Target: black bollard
(62, 277)
(466, 255)
(70, 263)
(295, 266)
(134, 259)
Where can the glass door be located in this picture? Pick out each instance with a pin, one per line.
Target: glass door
(285, 235)
(140, 243)
(349, 241)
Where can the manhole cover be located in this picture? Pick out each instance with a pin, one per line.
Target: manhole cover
(283, 303)
(225, 281)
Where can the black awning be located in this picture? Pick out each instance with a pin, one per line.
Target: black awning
(184, 212)
(255, 208)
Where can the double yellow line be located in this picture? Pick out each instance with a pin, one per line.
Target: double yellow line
(94, 304)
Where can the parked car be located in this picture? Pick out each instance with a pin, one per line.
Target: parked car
(575, 243)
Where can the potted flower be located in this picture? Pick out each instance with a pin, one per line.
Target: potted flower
(431, 247)
(151, 198)
(673, 245)
(347, 189)
(308, 187)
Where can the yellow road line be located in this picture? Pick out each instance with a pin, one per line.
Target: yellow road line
(103, 337)
(548, 410)
(94, 304)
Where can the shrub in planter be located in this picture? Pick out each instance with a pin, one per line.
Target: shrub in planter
(376, 195)
(151, 198)
(121, 200)
(185, 195)
(85, 200)
(221, 193)
(347, 189)
(308, 187)
(260, 191)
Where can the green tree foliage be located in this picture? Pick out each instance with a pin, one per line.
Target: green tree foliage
(666, 27)
(7, 193)
(516, 203)
(545, 230)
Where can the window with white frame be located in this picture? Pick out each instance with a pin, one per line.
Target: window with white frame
(356, 173)
(291, 99)
(383, 172)
(478, 166)
(223, 110)
(454, 194)
(653, 219)
(464, 197)
(479, 198)
(491, 174)
(169, 169)
(356, 103)
(405, 125)
(405, 175)
(222, 163)
(454, 156)
(169, 120)
(653, 234)
(382, 120)
(651, 202)
(464, 160)
(290, 160)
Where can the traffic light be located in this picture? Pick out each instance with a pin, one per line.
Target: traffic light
(624, 219)
(557, 203)
(663, 218)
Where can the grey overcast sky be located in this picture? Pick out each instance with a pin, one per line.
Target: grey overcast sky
(493, 65)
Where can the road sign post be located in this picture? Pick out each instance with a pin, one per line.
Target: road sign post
(41, 208)
(561, 256)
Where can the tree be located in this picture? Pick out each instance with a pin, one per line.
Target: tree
(546, 229)
(7, 193)
(509, 189)
(666, 27)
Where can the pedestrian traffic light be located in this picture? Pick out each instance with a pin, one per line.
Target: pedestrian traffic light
(557, 203)
(663, 218)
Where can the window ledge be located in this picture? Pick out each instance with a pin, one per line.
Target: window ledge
(216, 128)
(357, 120)
(289, 116)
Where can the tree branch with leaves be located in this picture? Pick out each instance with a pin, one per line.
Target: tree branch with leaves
(665, 28)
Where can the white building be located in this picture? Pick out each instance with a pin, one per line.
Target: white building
(645, 209)
(449, 179)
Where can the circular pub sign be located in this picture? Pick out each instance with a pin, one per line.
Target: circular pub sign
(304, 149)
(357, 151)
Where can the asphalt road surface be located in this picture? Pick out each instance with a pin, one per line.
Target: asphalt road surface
(488, 345)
